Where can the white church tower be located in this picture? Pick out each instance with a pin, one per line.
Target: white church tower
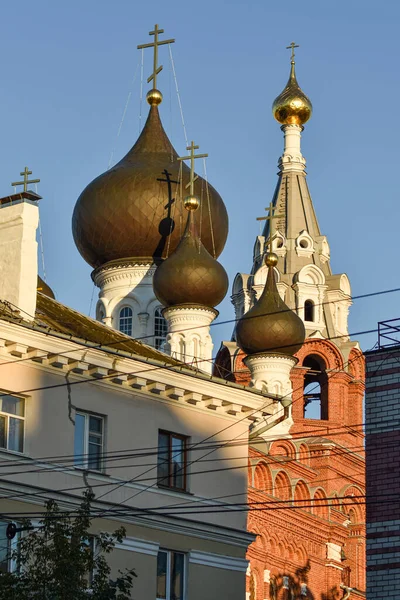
(132, 217)
(305, 279)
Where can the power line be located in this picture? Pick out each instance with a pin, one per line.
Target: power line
(235, 320)
(130, 481)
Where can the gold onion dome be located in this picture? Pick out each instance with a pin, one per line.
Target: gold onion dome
(130, 211)
(292, 106)
(270, 326)
(190, 275)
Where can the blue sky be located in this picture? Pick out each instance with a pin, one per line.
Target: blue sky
(67, 69)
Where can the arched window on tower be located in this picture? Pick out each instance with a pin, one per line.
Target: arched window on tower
(160, 329)
(315, 388)
(126, 320)
(309, 310)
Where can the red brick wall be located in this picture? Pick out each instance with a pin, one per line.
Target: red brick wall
(323, 459)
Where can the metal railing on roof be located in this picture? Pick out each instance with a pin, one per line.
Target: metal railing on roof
(389, 333)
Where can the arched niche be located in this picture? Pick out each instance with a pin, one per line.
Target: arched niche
(283, 448)
(304, 454)
(282, 486)
(263, 478)
(302, 494)
(311, 275)
(320, 504)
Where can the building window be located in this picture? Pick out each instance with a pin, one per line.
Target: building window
(89, 441)
(309, 313)
(12, 417)
(315, 388)
(126, 320)
(160, 329)
(170, 575)
(7, 547)
(172, 460)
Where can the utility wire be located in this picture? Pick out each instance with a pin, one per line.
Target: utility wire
(235, 320)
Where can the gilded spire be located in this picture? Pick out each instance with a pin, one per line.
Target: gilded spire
(292, 106)
(154, 96)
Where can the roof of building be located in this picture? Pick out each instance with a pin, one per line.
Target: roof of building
(54, 317)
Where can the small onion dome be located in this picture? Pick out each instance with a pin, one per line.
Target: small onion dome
(190, 275)
(270, 326)
(292, 107)
(131, 210)
(44, 289)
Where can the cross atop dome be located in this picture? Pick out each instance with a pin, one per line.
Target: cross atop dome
(292, 46)
(154, 96)
(192, 156)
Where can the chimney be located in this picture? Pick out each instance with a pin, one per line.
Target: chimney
(19, 218)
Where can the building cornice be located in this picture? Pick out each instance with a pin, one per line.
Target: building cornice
(112, 368)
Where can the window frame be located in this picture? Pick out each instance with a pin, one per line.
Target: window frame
(11, 545)
(9, 416)
(122, 308)
(309, 309)
(159, 321)
(316, 374)
(84, 457)
(169, 554)
(169, 485)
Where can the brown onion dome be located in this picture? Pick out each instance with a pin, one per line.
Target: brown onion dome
(292, 106)
(130, 210)
(270, 326)
(190, 275)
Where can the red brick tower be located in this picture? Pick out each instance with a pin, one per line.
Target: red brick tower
(306, 473)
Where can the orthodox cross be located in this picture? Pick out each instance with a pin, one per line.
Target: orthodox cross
(155, 44)
(292, 46)
(192, 156)
(270, 218)
(25, 173)
(169, 181)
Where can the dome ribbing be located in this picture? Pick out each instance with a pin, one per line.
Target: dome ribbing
(132, 210)
(270, 326)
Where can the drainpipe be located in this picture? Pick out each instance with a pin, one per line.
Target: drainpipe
(286, 415)
(347, 591)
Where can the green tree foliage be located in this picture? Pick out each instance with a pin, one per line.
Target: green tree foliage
(56, 561)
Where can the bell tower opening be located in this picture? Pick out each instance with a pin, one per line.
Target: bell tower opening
(309, 313)
(315, 388)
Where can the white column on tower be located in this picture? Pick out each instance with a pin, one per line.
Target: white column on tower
(292, 158)
(188, 337)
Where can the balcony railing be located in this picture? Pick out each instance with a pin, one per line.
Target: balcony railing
(389, 333)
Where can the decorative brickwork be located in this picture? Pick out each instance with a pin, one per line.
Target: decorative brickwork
(314, 541)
